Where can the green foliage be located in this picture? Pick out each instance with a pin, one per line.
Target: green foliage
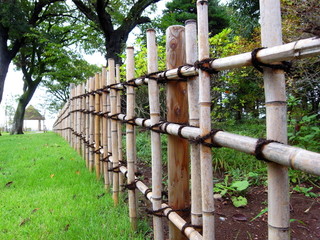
(244, 16)
(235, 190)
(306, 132)
(47, 193)
(178, 11)
(263, 211)
(306, 191)
(238, 90)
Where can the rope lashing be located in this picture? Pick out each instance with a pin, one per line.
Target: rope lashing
(205, 65)
(157, 212)
(186, 225)
(114, 169)
(179, 70)
(285, 65)
(210, 135)
(149, 190)
(261, 142)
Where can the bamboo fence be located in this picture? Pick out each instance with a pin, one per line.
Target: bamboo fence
(91, 121)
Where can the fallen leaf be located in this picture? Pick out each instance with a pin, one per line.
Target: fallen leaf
(24, 221)
(66, 228)
(239, 217)
(8, 184)
(34, 210)
(52, 175)
(101, 195)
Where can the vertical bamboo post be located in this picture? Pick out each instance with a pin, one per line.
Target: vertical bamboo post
(101, 124)
(87, 125)
(276, 112)
(109, 131)
(120, 156)
(91, 127)
(72, 117)
(130, 147)
(114, 133)
(105, 130)
(78, 125)
(97, 126)
(193, 99)
(153, 92)
(177, 111)
(205, 124)
(84, 121)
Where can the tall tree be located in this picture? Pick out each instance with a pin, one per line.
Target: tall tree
(244, 16)
(115, 20)
(16, 19)
(178, 11)
(46, 50)
(70, 69)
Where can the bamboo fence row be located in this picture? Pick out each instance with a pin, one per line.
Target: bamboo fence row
(91, 121)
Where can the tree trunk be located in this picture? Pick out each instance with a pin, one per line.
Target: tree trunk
(115, 47)
(25, 98)
(4, 66)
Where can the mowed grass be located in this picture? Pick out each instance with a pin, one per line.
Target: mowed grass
(46, 192)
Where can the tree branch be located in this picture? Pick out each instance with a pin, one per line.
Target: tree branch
(87, 11)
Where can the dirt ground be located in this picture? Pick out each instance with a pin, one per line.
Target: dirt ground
(236, 223)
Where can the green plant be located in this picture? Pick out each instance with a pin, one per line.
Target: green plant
(235, 190)
(306, 191)
(306, 132)
(263, 211)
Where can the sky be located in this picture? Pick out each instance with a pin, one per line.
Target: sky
(13, 84)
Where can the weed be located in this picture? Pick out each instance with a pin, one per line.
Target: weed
(306, 191)
(235, 190)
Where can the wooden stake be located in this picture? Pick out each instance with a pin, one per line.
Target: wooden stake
(105, 130)
(177, 111)
(154, 103)
(193, 99)
(130, 146)
(114, 133)
(205, 124)
(91, 127)
(276, 112)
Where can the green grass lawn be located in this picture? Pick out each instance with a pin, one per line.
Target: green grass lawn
(46, 192)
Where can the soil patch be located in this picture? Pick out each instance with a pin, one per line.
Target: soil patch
(237, 223)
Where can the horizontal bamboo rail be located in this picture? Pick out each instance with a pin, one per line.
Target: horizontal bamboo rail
(294, 157)
(178, 221)
(301, 49)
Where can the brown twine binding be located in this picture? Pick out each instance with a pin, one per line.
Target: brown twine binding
(210, 135)
(157, 212)
(205, 65)
(261, 143)
(187, 210)
(285, 65)
(149, 190)
(186, 225)
(114, 169)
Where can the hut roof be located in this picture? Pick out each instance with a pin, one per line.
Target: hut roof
(32, 114)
